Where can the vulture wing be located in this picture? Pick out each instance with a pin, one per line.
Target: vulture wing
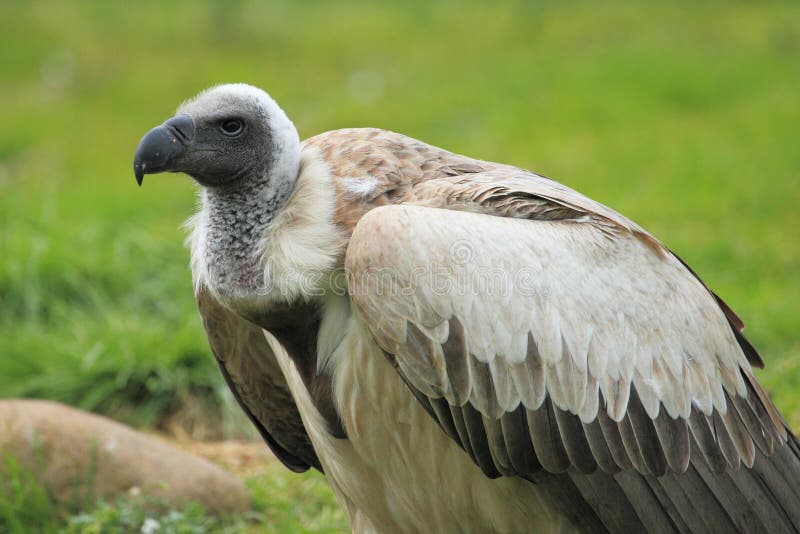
(247, 361)
(555, 340)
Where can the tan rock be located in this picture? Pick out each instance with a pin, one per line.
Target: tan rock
(80, 457)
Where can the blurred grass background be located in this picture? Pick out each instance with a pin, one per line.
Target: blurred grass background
(682, 116)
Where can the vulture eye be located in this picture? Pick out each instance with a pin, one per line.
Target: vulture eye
(232, 127)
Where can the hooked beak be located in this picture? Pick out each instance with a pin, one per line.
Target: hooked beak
(162, 145)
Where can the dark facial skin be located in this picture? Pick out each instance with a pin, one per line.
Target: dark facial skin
(214, 148)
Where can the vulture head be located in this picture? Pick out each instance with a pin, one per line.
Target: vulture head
(225, 134)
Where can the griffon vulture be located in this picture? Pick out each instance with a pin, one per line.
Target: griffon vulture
(466, 346)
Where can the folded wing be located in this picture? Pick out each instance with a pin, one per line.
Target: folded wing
(571, 344)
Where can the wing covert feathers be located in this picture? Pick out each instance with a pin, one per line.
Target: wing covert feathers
(590, 389)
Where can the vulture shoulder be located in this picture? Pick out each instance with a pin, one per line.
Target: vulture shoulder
(248, 364)
(556, 340)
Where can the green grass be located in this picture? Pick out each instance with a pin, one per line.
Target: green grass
(25, 505)
(288, 503)
(282, 502)
(684, 117)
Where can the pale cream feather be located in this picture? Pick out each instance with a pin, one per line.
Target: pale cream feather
(302, 244)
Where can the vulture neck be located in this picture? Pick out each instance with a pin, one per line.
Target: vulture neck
(249, 205)
(261, 246)
(236, 223)
(256, 198)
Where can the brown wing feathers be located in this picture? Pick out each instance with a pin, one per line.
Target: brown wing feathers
(239, 346)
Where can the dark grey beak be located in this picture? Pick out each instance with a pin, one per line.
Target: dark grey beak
(162, 145)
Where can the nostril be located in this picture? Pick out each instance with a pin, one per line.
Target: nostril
(180, 132)
(182, 127)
